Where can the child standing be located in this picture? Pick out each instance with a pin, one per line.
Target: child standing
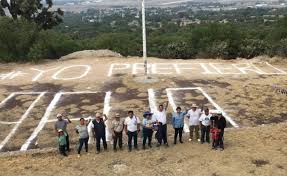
(62, 142)
(147, 129)
(215, 136)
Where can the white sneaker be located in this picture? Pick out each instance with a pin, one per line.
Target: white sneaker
(189, 139)
(198, 140)
(79, 155)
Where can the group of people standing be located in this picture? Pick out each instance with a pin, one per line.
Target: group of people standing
(199, 120)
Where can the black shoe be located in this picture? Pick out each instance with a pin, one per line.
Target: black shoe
(158, 145)
(143, 147)
(181, 141)
(150, 146)
(166, 144)
(115, 150)
(174, 143)
(130, 150)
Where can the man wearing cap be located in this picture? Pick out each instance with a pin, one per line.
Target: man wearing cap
(99, 129)
(220, 122)
(117, 131)
(160, 118)
(132, 128)
(62, 124)
(147, 128)
(193, 115)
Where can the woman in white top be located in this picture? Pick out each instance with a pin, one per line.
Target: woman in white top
(82, 130)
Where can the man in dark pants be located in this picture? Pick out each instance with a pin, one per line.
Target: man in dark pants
(62, 124)
(220, 121)
(132, 128)
(160, 118)
(147, 128)
(99, 132)
(205, 123)
(117, 130)
(178, 124)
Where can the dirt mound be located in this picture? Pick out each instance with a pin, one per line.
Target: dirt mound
(263, 59)
(90, 53)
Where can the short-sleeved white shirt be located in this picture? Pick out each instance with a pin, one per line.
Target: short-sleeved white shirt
(160, 117)
(132, 123)
(194, 116)
(205, 119)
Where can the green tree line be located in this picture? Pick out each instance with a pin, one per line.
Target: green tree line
(24, 40)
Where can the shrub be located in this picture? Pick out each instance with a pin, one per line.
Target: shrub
(52, 45)
(16, 37)
(253, 47)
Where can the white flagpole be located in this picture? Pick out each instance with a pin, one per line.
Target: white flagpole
(144, 37)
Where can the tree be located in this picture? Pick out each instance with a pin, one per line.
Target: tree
(2, 12)
(33, 10)
(51, 45)
(16, 38)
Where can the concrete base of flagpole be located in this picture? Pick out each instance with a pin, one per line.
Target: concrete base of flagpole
(146, 79)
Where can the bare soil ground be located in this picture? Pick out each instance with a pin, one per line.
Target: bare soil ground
(249, 99)
(249, 151)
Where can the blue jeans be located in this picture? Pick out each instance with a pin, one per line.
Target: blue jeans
(83, 141)
(205, 131)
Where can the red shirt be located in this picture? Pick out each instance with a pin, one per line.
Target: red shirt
(215, 133)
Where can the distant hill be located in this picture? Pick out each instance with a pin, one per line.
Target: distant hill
(134, 3)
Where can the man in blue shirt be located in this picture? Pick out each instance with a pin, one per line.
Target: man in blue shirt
(178, 123)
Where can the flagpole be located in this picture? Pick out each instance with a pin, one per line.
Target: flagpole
(144, 37)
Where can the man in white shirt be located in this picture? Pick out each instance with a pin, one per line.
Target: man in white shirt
(132, 128)
(205, 121)
(193, 115)
(160, 118)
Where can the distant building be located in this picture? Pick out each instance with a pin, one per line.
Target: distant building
(134, 23)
